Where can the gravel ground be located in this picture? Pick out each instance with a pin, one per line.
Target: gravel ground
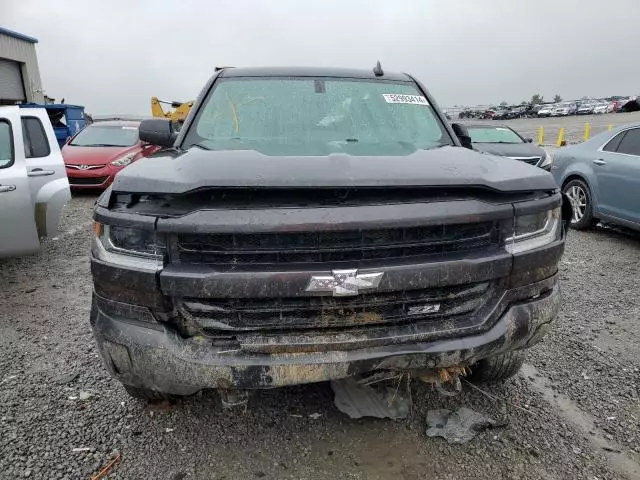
(576, 399)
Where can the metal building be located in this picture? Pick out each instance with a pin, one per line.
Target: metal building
(19, 73)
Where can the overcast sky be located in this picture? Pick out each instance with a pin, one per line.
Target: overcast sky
(113, 55)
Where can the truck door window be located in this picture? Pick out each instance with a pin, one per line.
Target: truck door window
(36, 144)
(6, 145)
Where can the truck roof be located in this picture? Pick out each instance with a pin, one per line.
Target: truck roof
(312, 72)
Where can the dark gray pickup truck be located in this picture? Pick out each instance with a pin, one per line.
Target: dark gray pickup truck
(313, 224)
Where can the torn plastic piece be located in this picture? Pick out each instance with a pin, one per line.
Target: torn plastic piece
(459, 426)
(234, 398)
(457, 387)
(383, 401)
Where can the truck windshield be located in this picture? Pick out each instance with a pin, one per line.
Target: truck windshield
(316, 116)
(104, 136)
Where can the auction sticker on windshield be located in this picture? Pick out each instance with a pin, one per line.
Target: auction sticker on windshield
(409, 99)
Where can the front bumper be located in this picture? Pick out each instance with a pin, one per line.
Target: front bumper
(91, 179)
(149, 354)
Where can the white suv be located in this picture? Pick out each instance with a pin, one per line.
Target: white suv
(33, 180)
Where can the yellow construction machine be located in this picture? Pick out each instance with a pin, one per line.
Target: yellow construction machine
(178, 114)
(180, 109)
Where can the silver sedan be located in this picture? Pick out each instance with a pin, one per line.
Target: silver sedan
(601, 177)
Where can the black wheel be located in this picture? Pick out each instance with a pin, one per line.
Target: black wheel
(498, 368)
(146, 394)
(580, 197)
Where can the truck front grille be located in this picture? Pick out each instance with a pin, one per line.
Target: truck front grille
(87, 181)
(228, 315)
(335, 246)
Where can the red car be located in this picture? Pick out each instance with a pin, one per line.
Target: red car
(97, 153)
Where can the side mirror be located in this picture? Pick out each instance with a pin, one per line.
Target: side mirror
(463, 135)
(158, 131)
(528, 140)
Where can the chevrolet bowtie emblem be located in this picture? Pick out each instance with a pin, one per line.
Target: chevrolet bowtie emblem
(344, 282)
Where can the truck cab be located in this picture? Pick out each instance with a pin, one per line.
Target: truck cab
(33, 182)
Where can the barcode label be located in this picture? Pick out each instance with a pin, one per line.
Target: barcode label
(408, 99)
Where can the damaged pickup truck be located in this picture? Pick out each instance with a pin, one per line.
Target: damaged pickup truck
(314, 224)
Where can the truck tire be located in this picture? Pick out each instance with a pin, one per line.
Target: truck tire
(146, 394)
(497, 368)
(578, 191)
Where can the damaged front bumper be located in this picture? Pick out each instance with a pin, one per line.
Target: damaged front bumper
(151, 355)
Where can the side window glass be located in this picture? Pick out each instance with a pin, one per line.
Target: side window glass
(6, 145)
(612, 146)
(630, 144)
(36, 144)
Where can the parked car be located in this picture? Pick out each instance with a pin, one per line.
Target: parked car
(506, 142)
(564, 109)
(33, 185)
(518, 112)
(501, 114)
(468, 113)
(585, 108)
(632, 104)
(603, 107)
(601, 177)
(617, 104)
(337, 226)
(546, 110)
(95, 155)
(488, 113)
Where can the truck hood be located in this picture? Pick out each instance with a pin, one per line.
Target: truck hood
(175, 173)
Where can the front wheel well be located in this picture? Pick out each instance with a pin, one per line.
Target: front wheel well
(594, 217)
(574, 177)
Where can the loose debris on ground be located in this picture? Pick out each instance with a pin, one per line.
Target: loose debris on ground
(382, 400)
(459, 426)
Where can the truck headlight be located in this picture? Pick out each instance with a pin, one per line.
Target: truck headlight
(133, 247)
(534, 230)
